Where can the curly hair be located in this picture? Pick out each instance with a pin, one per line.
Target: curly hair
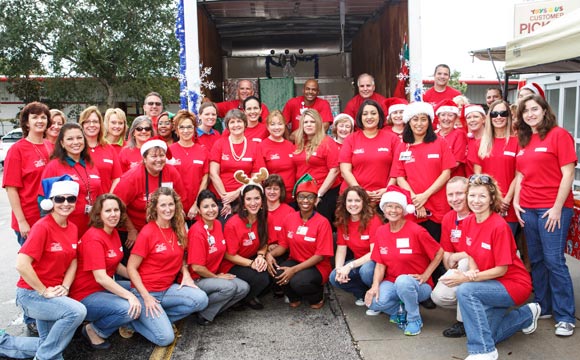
(491, 185)
(343, 216)
(95, 219)
(36, 108)
(548, 122)
(178, 220)
(261, 216)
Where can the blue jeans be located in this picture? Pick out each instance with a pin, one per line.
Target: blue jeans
(18, 347)
(486, 316)
(176, 304)
(21, 240)
(222, 294)
(359, 278)
(106, 312)
(405, 289)
(550, 276)
(56, 318)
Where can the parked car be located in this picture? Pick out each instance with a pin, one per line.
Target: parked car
(7, 141)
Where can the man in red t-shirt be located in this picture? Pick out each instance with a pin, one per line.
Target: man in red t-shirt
(366, 90)
(153, 106)
(245, 89)
(309, 100)
(440, 90)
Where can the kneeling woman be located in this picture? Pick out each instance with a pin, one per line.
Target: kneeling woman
(155, 261)
(497, 279)
(206, 250)
(47, 264)
(308, 236)
(109, 304)
(406, 256)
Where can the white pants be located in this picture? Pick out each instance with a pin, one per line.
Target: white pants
(444, 295)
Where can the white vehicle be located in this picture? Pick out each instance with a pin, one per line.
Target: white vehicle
(7, 141)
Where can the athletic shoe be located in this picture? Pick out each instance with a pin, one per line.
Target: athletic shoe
(536, 310)
(487, 356)
(413, 327)
(370, 312)
(359, 302)
(456, 330)
(564, 328)
(545, 316)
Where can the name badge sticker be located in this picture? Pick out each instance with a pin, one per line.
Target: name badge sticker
(302, 230)
(403, 243)
(486, 246)
(405, 155)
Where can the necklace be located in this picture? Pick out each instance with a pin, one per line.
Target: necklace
(234, 155)
(185, 147)
(41, 156)
(170, 241)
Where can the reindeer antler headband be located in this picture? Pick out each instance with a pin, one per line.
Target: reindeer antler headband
(256, 180)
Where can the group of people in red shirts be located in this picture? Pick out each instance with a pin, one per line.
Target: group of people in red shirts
(262, 199)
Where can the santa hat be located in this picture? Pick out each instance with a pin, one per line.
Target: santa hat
(398, 195)
(156, 141)
(343, 116)
(447, 105)
(395, 104)
(62, 185)
(468, 109)
(306, 183)
(416, 108)
(535, 88)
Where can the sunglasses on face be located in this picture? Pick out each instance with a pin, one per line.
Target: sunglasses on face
(59, 199)
(139, 128)
(484, 179)
(151, 103)
(495, 114)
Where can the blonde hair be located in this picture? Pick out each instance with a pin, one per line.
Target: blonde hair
(121, 115)
(302, 142)
(85, 116)
(278, 114)
(488, 137)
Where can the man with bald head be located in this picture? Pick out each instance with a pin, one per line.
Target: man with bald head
(245, 89)
(366, 90)
(309, 100)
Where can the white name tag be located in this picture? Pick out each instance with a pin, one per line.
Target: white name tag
(94, 176)
(168, 184)
(198, 162)
(278, 228)
(246, 159)
(432, 156)
(364, 237)
(405, 251)
(509, 153)
(486, 246)
(108, 161)
(309, 239)
(405, 155)
(542, 149)
(403, 243)
(256, 139)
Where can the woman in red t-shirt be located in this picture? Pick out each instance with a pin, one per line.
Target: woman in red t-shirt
(206, 134)
(57, 120)
(115, 124)
(109, 304)
(141, 130)
(156, 260)
(496, 281)
(206, 250)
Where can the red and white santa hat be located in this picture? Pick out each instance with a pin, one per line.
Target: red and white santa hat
(395, 104)
(447, 105)
(468, 109)
(156, 141)
(398, 195)
(416, 108)
(535, 88)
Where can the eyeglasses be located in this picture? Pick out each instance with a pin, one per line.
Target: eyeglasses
(151, 103)
(93, 122)
(310, 197)
(59, 199)
(186, 127)
(484, 179)
(139, 128)
(495, 114)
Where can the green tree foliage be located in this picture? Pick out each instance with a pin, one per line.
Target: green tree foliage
(455, 83)
(126, 47)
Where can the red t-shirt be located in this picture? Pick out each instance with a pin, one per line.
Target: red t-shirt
(23, 168)
(308, 239)
(408, 251)
(161, 259)
(207, 140)
(225, 106)
(276, 222)
(427, 161)
(492, 244)
(278, 160)
(255, 134)
(359, 243)
(240, 240)
(457, 141)
(434, 97)
(129, 158)
(501, 164)
(452, 233)
(295, 106)
(390, 130)
(118, 147)
(250, 163)
(97, 251)
(192, 164)
(107, 162)
(540, 163)
(52, 249)
(472, 147)
(371, 159)
(354, 104)
(90, 186)
(205, 247)
(320, 162)
(132, 191)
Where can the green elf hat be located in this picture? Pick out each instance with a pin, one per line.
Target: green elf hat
(306, 183)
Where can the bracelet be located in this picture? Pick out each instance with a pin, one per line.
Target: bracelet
(351, 265)
(43, 292)
(251, 263)
(262, 255)
(66, 287)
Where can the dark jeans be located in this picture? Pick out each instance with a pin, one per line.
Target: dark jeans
(306, 284)
(258, 281)
(434, 229)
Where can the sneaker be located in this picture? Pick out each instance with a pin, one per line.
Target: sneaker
(359, 302)
(428, 304)
(536, 310)
(370, 312)
(456, 330)
(545, 316)
(413, 327)
(487, 356)
(564, 328)
(32, 329)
